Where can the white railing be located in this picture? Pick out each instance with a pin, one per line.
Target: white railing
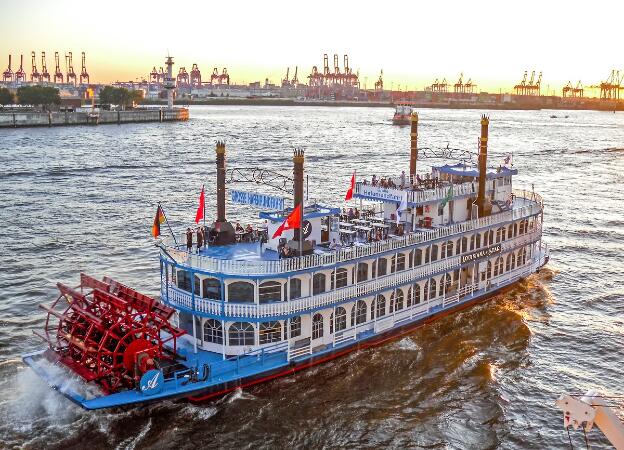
(383, 324)
(252, 310)
(260, 267)
(424, 196)
(297, 352)
(344, 336)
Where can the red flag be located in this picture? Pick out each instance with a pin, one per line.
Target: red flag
(292, 221)
(349, 195)
(199, 215)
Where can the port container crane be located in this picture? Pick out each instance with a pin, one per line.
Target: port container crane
(84, 75)
(379, 82)
(69, 68)
(520, 88)
(214, 78)
(183, 77)
(286, 80)
(45, 75)
(295, 80)
(195, 76)
(154, 75)
(58, 75)
(35, 76)
(20, 74)
(7, 75)
(458, 87)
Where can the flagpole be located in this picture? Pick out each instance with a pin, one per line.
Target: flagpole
(167, 220)
(204, 207)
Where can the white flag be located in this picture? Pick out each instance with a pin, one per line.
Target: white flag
(402, 207)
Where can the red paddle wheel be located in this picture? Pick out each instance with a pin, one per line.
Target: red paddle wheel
(109, 333)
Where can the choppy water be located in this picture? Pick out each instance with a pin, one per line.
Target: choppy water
(83, 199)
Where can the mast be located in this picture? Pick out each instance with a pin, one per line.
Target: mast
(298, 160)
(484, 207)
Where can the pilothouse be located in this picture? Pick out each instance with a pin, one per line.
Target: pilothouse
(317, 282)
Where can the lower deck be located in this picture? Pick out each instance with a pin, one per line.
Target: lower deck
(204, 374)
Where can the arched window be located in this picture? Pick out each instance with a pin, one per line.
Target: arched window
(295, 288)
(416, 294)
(427, 255)
(213, 331)
(508, 262)
(241, 292)
(211, 288)
(490, 237)
(418, 257)
(196, 285)
(358, 313)
(270, 291)
(499, 234)
(498, 266)
(522, 227)
(339, 319)
(396, 302)
(362, 272)
(488, 270)
(410, 261)
(374, 269)
(510, 231)
(378, 308)
(445, 286)
(478, 242)
(318, 283)
(434, 252)
(503, 233)
(341, 278)
(294, 324)
(473, 242)
(270, 332)
(449, 249)
(513, 261)
(461, 244)
(317, 326)
(241, 333)
(382, 267)
(430, 289)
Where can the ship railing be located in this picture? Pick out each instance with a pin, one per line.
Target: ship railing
(532, 205)
(252, 310)
(343, 336)
(299, 351)
(424, 196)
(260, 356)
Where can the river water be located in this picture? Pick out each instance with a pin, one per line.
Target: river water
(83, 199)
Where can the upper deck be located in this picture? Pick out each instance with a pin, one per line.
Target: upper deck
(256, 259)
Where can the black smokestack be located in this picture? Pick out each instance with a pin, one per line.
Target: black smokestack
(484, 208)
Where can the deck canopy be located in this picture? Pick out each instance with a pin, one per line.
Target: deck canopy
(465, 170)
(309, 212)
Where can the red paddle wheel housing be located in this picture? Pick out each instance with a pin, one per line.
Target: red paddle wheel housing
(109, 333)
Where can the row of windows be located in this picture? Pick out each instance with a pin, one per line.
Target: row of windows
(274, 291)
(242, 333)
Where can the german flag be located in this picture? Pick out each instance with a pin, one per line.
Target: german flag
(160, 218)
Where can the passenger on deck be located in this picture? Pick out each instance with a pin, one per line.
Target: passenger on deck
(287, 252)
(374, 180)
(189, 240)
(402, 179)
(356, 213)
(239, 228)
(280, 249)
(378, 235)
(212, 235)
(333, 244)
(200, 238)
(351, 214)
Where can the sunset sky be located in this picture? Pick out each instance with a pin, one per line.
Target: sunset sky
(492, 42)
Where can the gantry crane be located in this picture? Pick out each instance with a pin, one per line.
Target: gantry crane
(295, 80)
(84, 75)
(45, 75)
(154, 75)
(20, 75)
(58, 75)
(7, 75)
(69, 69)
(35, 76)
(286, 80)
(195, 76)
(379, 82)
(458, 87)
(520, 88)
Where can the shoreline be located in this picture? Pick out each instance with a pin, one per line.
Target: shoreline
(596, 105)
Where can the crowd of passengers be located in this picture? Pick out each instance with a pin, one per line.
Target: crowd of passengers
(205, 235)
(403, 182)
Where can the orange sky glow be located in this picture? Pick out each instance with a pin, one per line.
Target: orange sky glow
(415, 42)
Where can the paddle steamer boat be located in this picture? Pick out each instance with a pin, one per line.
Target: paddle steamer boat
(233, 314)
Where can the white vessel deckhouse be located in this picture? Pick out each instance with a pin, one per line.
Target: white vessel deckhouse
(250, 305)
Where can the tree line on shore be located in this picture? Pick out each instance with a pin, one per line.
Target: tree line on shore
(46, 96)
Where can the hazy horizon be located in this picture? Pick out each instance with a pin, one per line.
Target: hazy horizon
(490, 42)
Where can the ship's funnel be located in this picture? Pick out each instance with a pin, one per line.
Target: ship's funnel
(299, 243)
(483, 204)
(225, 231)
(413, 145)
